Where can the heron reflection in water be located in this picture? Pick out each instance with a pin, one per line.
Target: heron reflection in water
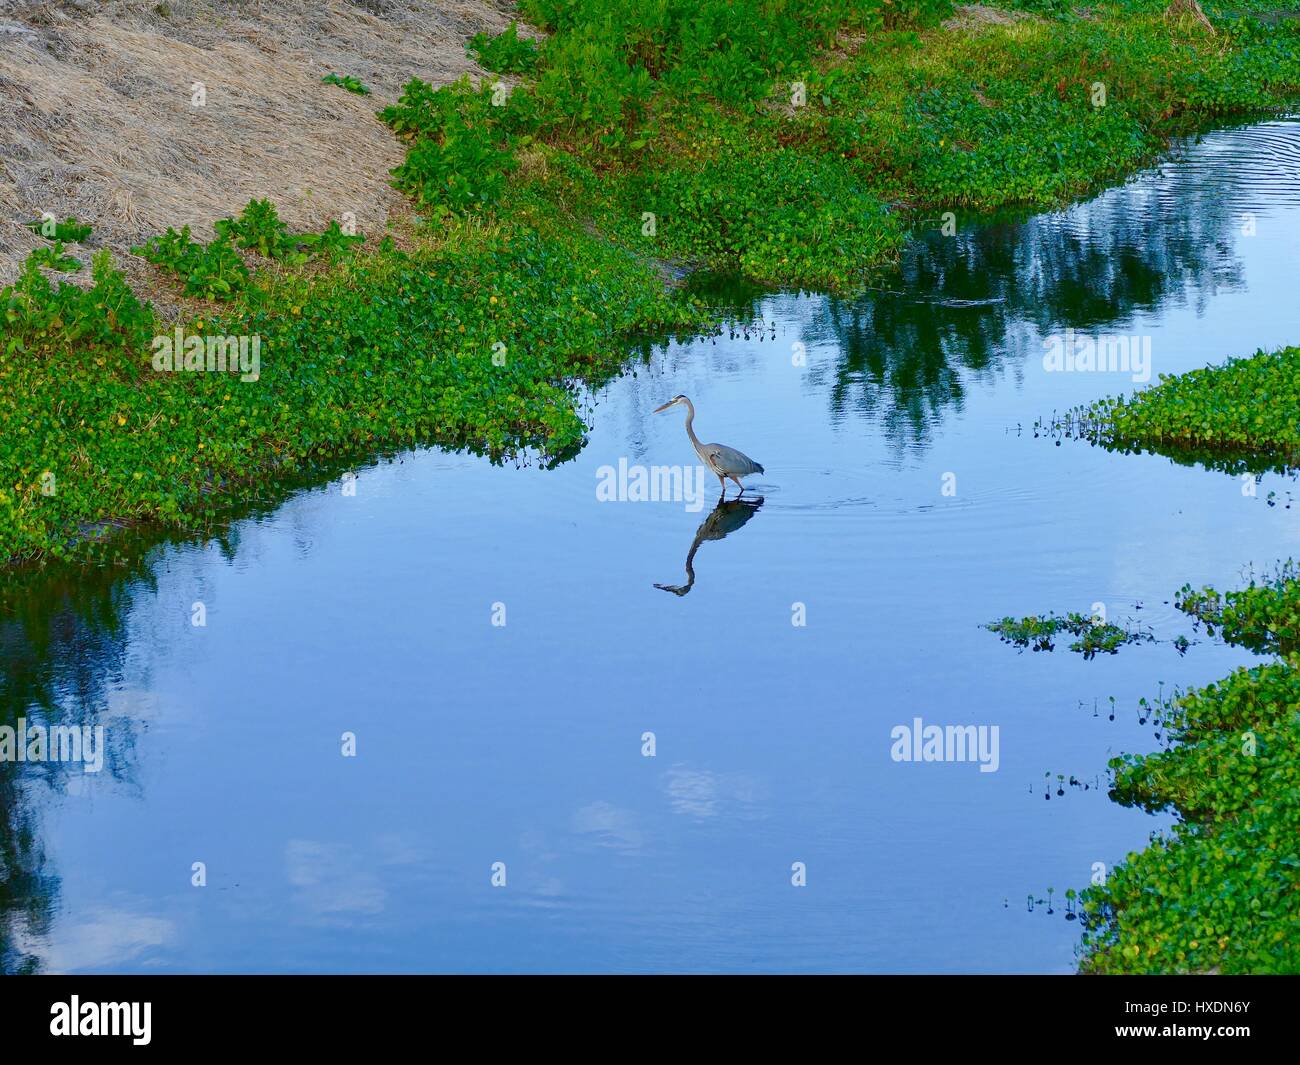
(728, 516)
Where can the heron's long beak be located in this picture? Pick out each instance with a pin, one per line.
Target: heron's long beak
(664, 407)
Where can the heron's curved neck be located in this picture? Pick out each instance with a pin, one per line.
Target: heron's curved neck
(690, 426)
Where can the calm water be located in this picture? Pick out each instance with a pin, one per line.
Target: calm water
(522, 743)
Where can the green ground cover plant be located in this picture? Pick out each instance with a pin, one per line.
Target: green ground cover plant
(69, 230)
(258, 228)
(506, 53)
(212, 271)
(346, 81)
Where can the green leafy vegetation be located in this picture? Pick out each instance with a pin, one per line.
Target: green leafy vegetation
(69, 229)
(211, 271)
(105, 324)
(331, 243)
(462, 145)
(782, 217)
(1244, 408)
(54, 257)
(346, 81)
(790, 153)
(1092, 636)
(215, 271)
(1042, 8)
(1218, 893)
(1263, 617)
(506, 53)
(258, 228)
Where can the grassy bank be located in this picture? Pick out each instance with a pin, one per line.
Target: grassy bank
(793, 143)
(385, 350)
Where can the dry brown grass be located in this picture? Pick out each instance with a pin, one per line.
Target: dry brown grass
(96, 118)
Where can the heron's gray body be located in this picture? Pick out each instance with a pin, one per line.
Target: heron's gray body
(725, 462)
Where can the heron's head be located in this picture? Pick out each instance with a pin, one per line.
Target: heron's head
(674, 402)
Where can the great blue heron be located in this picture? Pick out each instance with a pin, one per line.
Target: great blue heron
(728, 516)
(722, 460)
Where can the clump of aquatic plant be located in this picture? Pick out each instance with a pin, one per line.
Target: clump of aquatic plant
(1244, 407)
(1092, 636)
(1264, 617)
(1217, 893)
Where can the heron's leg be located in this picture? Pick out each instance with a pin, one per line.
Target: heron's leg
(740, 486)
(723, 481)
